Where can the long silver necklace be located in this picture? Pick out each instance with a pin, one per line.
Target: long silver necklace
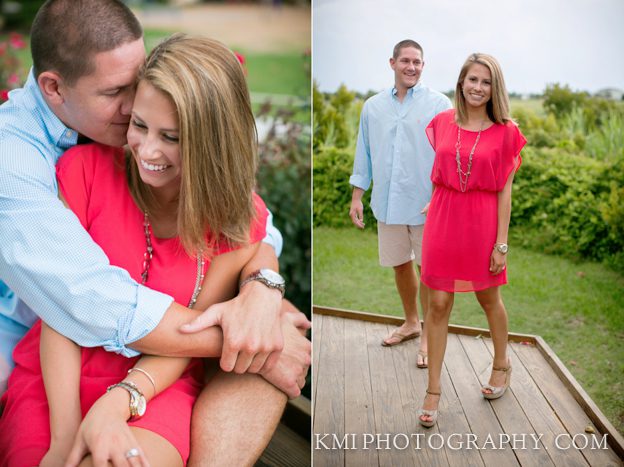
(149, 253)
(463, 176)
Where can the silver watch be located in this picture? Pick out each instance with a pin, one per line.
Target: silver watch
(502, 248)
(268, 277)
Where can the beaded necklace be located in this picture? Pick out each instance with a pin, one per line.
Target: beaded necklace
(147, 259)
(463, 176)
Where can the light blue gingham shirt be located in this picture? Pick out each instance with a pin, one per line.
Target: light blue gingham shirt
(393, 152)
(47, 259)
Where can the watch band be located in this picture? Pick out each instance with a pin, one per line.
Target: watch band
(137, 400)
(268, 277)
(502, 248)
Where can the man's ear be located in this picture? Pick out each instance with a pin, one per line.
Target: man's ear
(52, 87)
(392, 62)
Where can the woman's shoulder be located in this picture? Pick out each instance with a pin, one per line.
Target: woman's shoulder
(90, 155)
(445, 117)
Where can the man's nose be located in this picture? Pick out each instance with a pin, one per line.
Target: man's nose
(126, 103)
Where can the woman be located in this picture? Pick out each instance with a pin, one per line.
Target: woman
(477, 150)
(178, 199)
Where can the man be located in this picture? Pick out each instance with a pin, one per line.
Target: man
(86, 55)
(392, 150)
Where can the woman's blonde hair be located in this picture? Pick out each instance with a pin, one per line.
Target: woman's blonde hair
(498, 106)
(218, 140)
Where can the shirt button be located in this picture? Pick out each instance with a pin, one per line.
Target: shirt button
(69, 133)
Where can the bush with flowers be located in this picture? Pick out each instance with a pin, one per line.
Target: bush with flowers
(10, 65)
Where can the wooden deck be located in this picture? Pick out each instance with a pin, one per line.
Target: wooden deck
(290, 445)
(368, 395)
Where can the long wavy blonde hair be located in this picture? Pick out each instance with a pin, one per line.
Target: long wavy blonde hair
(218, 141)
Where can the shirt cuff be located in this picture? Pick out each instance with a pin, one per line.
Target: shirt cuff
(360, 181)
(150, 309)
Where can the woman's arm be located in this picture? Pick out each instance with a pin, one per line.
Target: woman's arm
(104, 431)
(497, 259)
(60, 367)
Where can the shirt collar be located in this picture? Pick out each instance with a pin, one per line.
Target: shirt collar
(411, 91)
(62, 136)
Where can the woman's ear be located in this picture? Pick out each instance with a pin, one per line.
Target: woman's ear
(51, 85)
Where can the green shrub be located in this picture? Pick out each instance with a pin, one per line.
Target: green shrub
(332, 192)
(569, 204)
(284, 184)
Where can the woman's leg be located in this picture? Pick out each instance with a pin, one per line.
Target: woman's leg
(158, 450)
(424, 306)
(492, 303)
(440, 306)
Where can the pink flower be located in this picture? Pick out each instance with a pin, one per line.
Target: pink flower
(240, 57)
(16, 41)
(4, 95)
(13, 79)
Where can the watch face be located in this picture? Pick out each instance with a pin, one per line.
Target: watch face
(141, 406)
(503, 248)
(272, 276)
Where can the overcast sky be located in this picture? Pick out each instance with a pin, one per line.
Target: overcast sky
(574, 42)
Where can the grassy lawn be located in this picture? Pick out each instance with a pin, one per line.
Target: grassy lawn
(575, 307)
(267, 73)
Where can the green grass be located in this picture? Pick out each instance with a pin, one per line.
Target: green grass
(535, 105)
(575, 307)
(272, 73)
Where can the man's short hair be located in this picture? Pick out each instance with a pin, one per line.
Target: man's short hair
(66, 34)
(406, 43)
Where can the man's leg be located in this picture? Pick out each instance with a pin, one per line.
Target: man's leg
(395, 250)
(234, 420)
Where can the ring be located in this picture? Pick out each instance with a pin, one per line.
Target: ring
(134, 452)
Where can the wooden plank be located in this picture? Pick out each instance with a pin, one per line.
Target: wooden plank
(537, 410)
(388, 409)
(569, 412)
(508, 410)
(412, 383)
(480, 415)
(298, 416)
(396, 321)
(317, 330)
(359, 414)
(329, 402)
(616, 441)
(286, 448)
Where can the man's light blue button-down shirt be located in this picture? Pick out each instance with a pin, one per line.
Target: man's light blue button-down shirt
(46, 257)
(393, 152)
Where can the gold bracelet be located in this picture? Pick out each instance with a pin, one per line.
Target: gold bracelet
(141, 370)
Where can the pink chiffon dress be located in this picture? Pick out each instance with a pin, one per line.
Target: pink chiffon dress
(461, 226)
(93, 182)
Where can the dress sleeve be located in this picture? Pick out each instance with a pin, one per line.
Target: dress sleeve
(430, 131)
(257, 230)
(511, 158)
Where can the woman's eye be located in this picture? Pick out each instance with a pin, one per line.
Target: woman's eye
(138, 124)
(171, 138)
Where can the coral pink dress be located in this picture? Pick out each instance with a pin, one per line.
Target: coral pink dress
(461, 227)
(92, 180)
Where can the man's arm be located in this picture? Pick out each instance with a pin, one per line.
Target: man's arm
(362, 171)
(53, 265)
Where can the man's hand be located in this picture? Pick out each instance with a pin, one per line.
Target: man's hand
(290, 372)
(252, 333)
(105, 434)
(356, 212)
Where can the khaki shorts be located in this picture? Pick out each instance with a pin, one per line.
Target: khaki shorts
(399, 244)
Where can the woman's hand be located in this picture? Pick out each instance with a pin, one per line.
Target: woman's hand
(105, 434)
(425, 210)
(497, 262)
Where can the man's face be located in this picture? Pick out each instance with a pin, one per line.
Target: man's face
(98, 105)
(407, 67)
